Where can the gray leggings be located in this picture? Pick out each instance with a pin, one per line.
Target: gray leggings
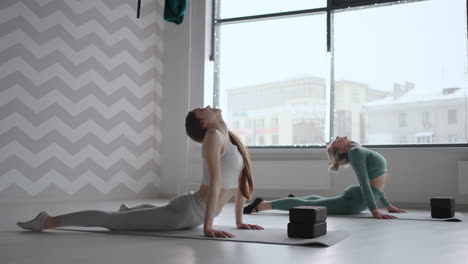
(185, 211)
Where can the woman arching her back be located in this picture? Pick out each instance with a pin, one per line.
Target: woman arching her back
(371, 170)
(226, 172)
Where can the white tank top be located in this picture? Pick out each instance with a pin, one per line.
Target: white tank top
(232, 164)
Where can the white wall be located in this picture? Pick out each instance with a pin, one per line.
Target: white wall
(416, 174)
(79, 99)
(183, 81)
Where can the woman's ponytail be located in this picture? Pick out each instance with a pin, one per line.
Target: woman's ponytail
(246, 185)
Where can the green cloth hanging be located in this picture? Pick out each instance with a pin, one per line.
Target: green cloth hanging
(174, 11)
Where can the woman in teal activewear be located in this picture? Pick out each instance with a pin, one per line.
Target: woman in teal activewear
(371, 170)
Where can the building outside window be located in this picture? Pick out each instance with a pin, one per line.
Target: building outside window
(248, 123)
(260, 123)
(274, 122)
(402, 120)
(274, 140)
(426, 119)
(236, 124)
(452, 116)
(403, 139)
(261, 140)
(452, 138)
(424, 138)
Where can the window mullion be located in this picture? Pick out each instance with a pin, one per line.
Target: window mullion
(215, 53)
(330, 84)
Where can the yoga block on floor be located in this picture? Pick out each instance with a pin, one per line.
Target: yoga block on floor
(442, 212)
(442, 202)
(307, 214)
(307, 230)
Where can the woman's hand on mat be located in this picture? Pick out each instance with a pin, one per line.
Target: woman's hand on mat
(393, 209)
(217, 233)
(247, 226)
(379, 215)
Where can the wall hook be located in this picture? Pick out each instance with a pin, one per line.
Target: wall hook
(138, 8)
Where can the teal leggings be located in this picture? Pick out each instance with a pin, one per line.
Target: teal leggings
(351, 201)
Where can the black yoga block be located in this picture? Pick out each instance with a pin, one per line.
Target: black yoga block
(442, 202)
(307, 230)
(307, 214)
(442, 212)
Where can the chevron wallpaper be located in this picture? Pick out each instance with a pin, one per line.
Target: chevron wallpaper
(80, 96)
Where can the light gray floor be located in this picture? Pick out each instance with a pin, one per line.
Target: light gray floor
(371, 241)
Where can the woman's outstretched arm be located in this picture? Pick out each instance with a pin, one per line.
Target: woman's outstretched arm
(239, 206)
(390, 208)
(384, 201)
(211, 149)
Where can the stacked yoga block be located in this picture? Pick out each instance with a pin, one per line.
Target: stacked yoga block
(307, 221)
(442, 207)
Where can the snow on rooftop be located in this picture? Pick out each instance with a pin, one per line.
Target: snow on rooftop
(418, 96)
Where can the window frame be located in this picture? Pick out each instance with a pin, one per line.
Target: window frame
(331, 7)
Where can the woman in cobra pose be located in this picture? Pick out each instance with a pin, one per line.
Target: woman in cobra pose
(226, 172)
(371, 170)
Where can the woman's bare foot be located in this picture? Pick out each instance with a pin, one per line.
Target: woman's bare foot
(36, 224)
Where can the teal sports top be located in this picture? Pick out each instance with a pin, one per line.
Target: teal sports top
(367, 165)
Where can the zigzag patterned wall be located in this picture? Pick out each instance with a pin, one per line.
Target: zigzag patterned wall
(80, 98)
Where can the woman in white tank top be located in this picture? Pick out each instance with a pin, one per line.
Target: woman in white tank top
(226, 167)
(226, 173)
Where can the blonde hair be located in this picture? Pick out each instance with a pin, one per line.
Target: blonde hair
(339, 159)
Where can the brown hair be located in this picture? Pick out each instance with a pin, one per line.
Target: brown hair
(197, 133)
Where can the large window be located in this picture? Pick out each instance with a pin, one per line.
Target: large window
(270, 74)
(300, 73)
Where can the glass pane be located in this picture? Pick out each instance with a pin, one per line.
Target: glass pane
(272, 80)
(240, 8)
(400, 73)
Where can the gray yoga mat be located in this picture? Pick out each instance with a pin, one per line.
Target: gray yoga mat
(266, 236)
(422, 216)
